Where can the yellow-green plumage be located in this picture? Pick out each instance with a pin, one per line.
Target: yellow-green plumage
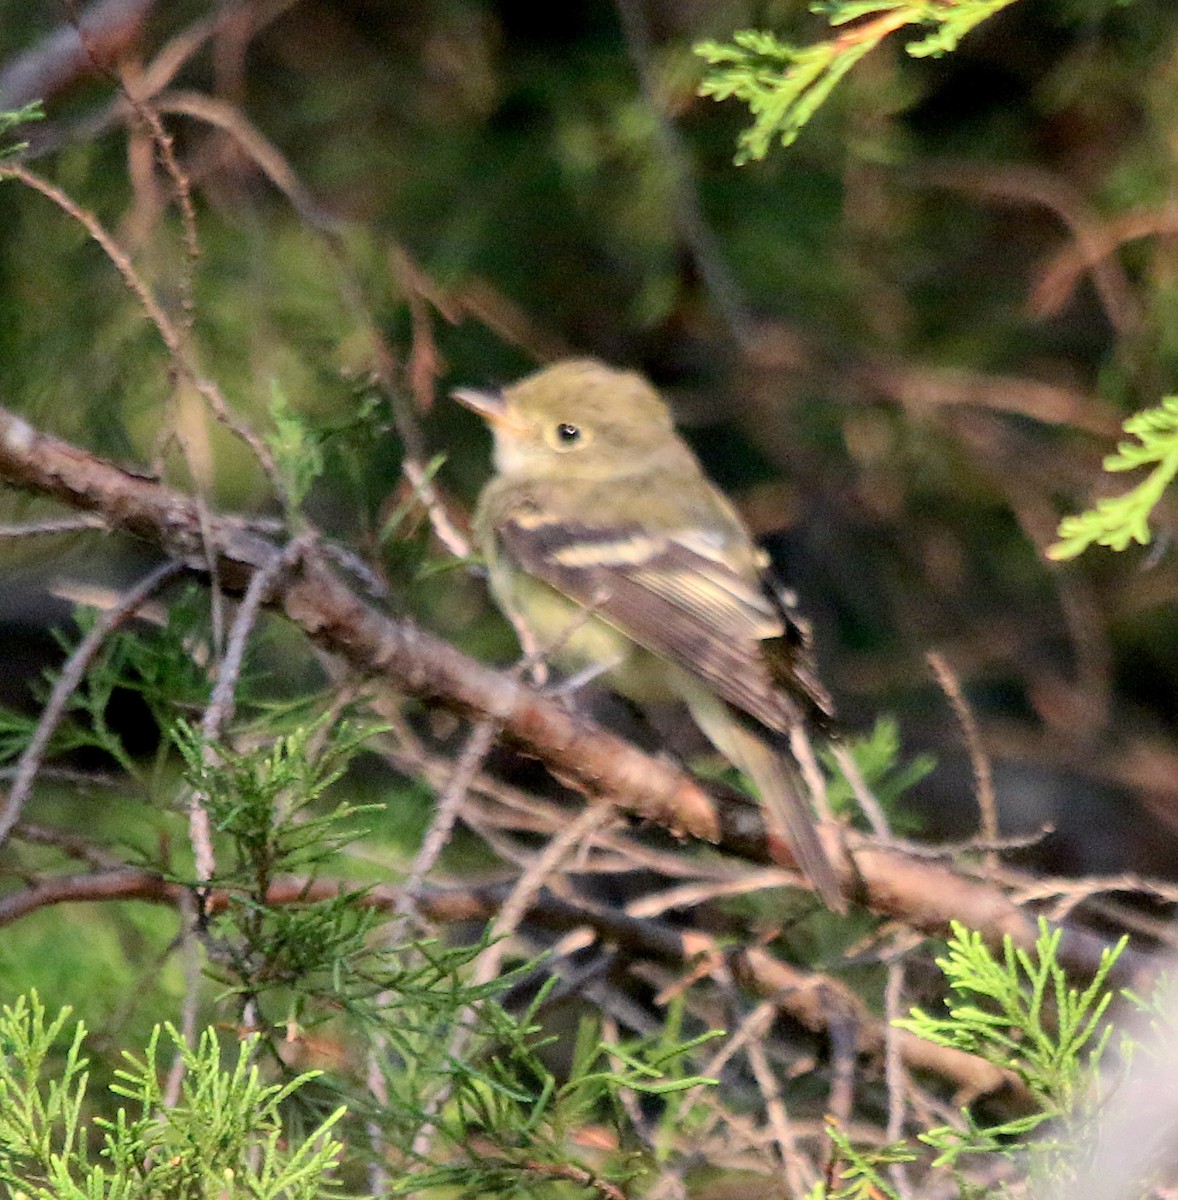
(598, 503)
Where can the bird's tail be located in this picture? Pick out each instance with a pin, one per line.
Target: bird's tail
(767, 762)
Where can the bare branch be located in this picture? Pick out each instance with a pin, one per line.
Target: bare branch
(979, 759)
(800, 1172)
(469, 763)
(170, 334)
(1024, 185)
(895, 1076)
(44, 528)
(812, 1000)
(67, 683)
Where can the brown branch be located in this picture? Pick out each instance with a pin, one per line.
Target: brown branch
(47, 528)
(575, 1174)
(171, 334)
(1060, 276)
(923, 391)
(778, 350)
(895, 1075)
(983, 775)
(797, 1167)
(529, 885)
(164, 149)
(399, 653)
(814, 1001)
(1024, 185)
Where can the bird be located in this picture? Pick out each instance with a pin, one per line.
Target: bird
(606, 544)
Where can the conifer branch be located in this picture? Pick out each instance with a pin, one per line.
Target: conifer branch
(785, 85)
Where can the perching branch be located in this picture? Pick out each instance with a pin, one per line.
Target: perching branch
(396, 653)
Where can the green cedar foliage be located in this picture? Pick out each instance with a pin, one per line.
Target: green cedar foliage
(784, 85)
(224, 1136)
(1017, 1010)
(1118, 521)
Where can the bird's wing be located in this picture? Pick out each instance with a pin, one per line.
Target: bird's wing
(675, 594)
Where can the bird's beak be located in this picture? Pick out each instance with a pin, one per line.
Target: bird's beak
(491, 406)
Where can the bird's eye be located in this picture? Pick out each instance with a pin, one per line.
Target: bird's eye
(567, 436)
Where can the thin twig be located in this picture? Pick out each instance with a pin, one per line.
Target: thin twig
(220, 707)
(864, 796)
(69, 844)
(952, 851)
(979, 760)
(350, 561)
(753, 1027)
(60, 525)
(450, 801)
(799, 1171)
(169, 333)
(1025, 185)
(840, 1101)
(166, 150)
(1058, 279)
(466, 767)
(191, 959)
(219, 710)
(895, 1076)
(422, 372)
(521, 897)
(530, 883)
(706, 891)
(67, 683)
(578, 1176)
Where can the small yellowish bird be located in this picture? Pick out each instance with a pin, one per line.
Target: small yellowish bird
(604, 538)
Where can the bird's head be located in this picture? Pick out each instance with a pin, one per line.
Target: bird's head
(576, 418)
